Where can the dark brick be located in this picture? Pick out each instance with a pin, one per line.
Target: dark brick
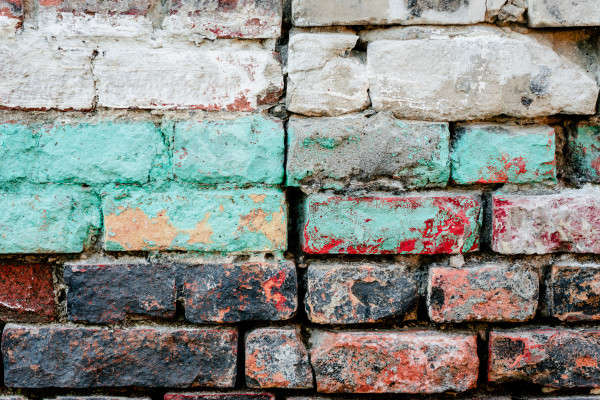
(219, 396)
(358, 293)
(98, 398)
(240, 292)
(26, 293)
(574, 292)
(80, 357)
(108, 293)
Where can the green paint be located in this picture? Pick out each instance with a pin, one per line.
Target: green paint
(47, 219)
(245, 150)
(18, 152)
(584, 149)
(498, 154)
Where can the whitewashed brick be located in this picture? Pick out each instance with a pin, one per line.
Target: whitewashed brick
(564, 13)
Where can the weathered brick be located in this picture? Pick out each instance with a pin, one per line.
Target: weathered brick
(562, 13)
(574, 292)
(394, 362)
(97, 398)
(181, 218)
(248, 19)
(387, 12)
(18, 151)
(489, 292)
(26, 292)
(539, 224)
(412, 224)
(47, 219)
(240, 292)
(546, 356)
(485, 153)
(277, 358)
(220, 396)
(11, 17)
(244, 150)
(324, 78)
(379, 150)
(109, 293)
(243, 76)
(94, 357)
(584, 153)
(421, 74)
(358, 293)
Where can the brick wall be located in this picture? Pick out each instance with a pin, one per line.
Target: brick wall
(299, 200)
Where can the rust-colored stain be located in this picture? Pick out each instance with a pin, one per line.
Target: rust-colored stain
(274, 230)
(133, 229)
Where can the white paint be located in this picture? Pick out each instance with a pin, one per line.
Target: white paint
(561, 13)
(8, 26)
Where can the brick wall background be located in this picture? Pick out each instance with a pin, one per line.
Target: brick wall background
(298, 200)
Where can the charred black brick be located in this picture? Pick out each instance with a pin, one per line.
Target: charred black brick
(574, 292)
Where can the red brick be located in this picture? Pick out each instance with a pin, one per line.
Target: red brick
(220, 396)
(11, 9)
(26, 293)
(489, 292)
(574, 292)
(394, 362)
(555, 357)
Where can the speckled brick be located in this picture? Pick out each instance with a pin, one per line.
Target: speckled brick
(240, 292)
(413, 224)
(97, 398)
(82, 357)
(220, 396)
(110, 293)
(277, 358)
(394, 362)
(574, 292)
(555, 357)
(584, 152)
(358, 293)
(26, 293)
(489, 292)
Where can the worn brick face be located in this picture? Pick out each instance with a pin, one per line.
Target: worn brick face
(574, 292)
(26, 293)
(220, 396)
(11, 16)
(584, 149)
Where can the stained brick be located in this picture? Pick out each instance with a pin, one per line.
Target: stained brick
(561, 13)
(11, 16)
(240, 292)
(26, 292)
(412, 224)
(98, 398)
(394, 362)
(584, 151)
(94, 357)
(574, 292)
(220, 396)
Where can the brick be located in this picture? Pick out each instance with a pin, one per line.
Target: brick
(98, 398)
(243, 76)
(393, 362)
(11, 17)
(411, 224)
(488, 292)
(562, 13)
(324, 78)
(358, 293)
(574, 292)
(358, 151)
(485, 153)
(240, 292)
(562, 358)
(277, 358)
(521, 76)
(26, 293)
(81, 357)
(584, 153)
(109, 293)
(116, 18)
(47, 219)
(182, 218)
(387, 12)
(540, 224)
(253, 19)
(40, 76)
(18, 151)
(220, 396)
(244, 150)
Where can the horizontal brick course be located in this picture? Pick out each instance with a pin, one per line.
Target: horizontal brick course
(220, 396)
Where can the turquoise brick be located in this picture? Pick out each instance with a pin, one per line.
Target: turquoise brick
(240, 151)
(584, 149)
(18, 152)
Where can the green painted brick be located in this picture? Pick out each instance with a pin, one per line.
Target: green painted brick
(485, 153)
(186, 218)
(18, 151)
(47, 219)
(584, 150)
(244, 150)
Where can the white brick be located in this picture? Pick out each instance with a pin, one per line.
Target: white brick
(564, 13)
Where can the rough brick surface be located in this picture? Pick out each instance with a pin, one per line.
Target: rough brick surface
(584, 149)
(220, 396)
(546, 356)
(26, 293)
(488, 292)
(98, 398)
(358, 293)
(244, 150)
(394, 362)
(374, 151)
(184, 218)
(539, 224)
(574, 292)
(415, 224)
(561, 13)
(94, 357)
(11, 16)
(108, 293)
(277, 358)
(240, 292)
(484, 153)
